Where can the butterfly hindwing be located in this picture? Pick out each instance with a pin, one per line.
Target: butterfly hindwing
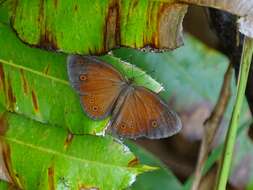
(144, 114)
(97, 83)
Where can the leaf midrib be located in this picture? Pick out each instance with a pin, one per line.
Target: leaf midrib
(34, 71)
(50, 151)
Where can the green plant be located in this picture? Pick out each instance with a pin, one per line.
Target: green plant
(47, 141)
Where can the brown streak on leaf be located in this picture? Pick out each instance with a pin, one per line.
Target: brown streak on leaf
(35, 101)
(133, 162)
(10, 174)
(50, 174)
(85, 187)
(46, 70)
(68, 140)
(24, 82)
(47, 39)
(3, 124)
(10, 96)
(112, 26)
(135, 3)
(2, 77)
(76, 7)
(6, 165)
(41, 19)
(55, 3)
(13, 8)
(4, 173)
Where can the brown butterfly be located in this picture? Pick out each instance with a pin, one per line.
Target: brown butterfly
(136, 111)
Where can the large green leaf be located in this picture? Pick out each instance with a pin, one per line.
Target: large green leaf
(97, 26)
(39, 156)
(35, 83)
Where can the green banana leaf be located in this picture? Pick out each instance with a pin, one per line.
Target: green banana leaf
(75, 27)
(40, 156)
(34, 83)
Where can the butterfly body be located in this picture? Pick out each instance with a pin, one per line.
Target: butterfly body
(135, 111)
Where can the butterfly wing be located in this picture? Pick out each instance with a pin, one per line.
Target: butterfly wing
(144, 114)
(97, 83)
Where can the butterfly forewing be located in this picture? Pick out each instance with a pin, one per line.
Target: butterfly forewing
(144, 114)
(97, 83)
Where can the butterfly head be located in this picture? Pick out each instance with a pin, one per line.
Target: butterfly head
(130, 81)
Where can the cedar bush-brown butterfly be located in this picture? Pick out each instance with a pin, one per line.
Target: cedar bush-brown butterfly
(135, 110)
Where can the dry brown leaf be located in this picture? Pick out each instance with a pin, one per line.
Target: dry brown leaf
(242, 8)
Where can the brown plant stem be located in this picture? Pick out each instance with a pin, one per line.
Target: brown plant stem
(211, 125)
